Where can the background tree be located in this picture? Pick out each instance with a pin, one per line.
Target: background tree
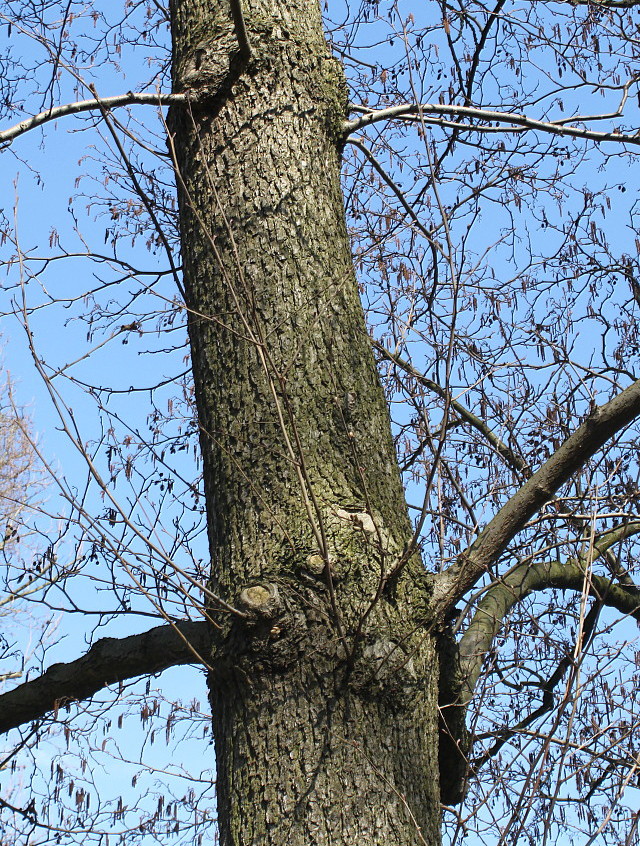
(345, 642)
(20, 490)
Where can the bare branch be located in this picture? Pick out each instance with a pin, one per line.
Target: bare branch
(523, 580)
(605, 4)
(602, 424)
(109, 660)
(420, 110)
(513, 460)
(356, 142)
(241, 28)
(547, 688)
(55, 112)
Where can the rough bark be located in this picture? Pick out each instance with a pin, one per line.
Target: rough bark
(324, 695)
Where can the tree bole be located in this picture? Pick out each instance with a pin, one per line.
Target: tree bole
(325, 692)
(314, 748)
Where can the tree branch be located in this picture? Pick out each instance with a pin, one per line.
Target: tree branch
(514, 461)
(602, 424)
(241, 28)
(55, 112)
(109, 660)
(518, 122)
(547, 688)
(355, 142)
(606, 4)
(523, 580)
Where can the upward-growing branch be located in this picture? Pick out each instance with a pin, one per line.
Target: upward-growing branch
(602, 424)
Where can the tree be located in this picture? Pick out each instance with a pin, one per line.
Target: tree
(344, 641)
(20, 488)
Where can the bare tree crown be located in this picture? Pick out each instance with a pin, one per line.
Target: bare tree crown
(340, 410)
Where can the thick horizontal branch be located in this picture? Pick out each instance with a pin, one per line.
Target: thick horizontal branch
(108, 661)
(96, 103)
(511, 458)
(519, 583)
(417, 110)
(599, 427)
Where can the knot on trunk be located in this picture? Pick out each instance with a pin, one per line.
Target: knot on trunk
(260, 603)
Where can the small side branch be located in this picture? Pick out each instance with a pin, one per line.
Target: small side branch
(356, 142)
(241, 29)
(518, 584)
(605, 4)
(56, 112)
(547, 687)
(514, 461)
(108, 661)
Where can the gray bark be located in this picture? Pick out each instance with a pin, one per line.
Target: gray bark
(324, 696)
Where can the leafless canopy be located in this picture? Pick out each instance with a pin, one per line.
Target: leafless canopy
(489, 175)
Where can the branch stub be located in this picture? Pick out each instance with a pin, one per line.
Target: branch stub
(261, 601)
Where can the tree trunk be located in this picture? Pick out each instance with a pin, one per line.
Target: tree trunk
(324, 691)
